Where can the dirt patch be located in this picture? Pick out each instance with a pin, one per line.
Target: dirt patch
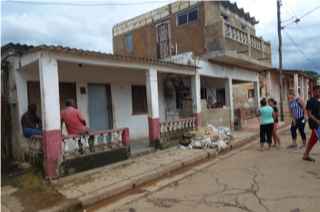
(33, 191)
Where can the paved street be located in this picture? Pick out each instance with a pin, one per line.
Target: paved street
(242, 180)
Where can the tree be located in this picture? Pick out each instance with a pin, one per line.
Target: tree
(311, 73)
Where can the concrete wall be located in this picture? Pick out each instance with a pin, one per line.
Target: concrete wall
(216, 117)
(240, 96)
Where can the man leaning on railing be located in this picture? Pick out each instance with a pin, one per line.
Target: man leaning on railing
(75, 123)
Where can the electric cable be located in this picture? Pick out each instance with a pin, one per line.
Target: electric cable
(301, 50)
(86, 5)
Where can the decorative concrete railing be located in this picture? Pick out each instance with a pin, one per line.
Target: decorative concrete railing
(177, 126)
(35, 143)
(117, 141)
(267, 47)
(255, 42)
(236, 34)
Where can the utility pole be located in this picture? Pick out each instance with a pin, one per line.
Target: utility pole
(280, 59)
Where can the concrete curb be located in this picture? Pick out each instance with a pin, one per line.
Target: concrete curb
(128, 184)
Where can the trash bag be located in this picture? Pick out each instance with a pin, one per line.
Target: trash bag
(213, 128)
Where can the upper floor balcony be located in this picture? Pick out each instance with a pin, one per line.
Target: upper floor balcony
(228, 44)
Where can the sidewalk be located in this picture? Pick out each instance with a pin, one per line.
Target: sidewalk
(91, 187)
(99, 184)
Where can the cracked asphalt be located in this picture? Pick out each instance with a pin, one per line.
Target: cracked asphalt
(243, 180)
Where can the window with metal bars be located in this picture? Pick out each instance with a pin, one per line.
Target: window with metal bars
(187, 17)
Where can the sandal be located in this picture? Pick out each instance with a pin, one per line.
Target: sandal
(309, 159)
(260, 149)
(279, 147)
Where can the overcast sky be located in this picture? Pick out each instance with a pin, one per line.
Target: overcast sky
(90, 27)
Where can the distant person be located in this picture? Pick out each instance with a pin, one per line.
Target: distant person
(30, 122)
(75, 123)
(272, 103)
(313, 110)
(266, 124)
(298, 114)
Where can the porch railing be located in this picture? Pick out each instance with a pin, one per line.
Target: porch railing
(116, 142)
(35, 143)
(176, 127)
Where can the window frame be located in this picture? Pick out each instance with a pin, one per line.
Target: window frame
(130, 34)
(225, 17)
(145, 106)
(186, 13)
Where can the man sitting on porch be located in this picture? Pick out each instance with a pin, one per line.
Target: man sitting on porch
(31, 123)
(75, 122)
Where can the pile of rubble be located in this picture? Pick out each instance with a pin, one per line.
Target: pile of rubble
(207, 137)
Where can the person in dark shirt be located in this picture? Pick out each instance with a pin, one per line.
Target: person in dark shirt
(272, 103)
(30, 122)
(313, 110)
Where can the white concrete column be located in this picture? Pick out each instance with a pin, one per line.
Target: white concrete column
(196, 102)
(50, 105)
(295, 86)
(229, 99)
(49, 86)
(257, 94)
(153, 106)
(302, 87)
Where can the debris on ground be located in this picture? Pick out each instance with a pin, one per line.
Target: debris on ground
(207, 137)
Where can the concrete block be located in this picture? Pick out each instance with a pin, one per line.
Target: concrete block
(176, 4)
(175, 9)
(120, 32)
(184, 5)
(125, 30)
(135, 20)
(129, 23)
(161, 9)
(164, 14)
(156, 17)
(130, 27)
(104, 193)
(147, 15)
(154, 12)
(124, 25)
(118, 28)
(142, 23)
(140, 18)
(193, 2)
(148, 21)
(115, 34)
(136, 25)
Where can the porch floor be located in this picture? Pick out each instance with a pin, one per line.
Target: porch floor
(139, 146)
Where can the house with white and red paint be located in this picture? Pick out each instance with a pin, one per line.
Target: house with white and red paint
(122, 98)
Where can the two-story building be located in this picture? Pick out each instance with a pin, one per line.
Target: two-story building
(215, 36)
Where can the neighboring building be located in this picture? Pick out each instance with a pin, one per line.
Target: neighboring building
(292, 79)
(217, 37)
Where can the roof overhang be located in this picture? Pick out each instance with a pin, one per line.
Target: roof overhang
(291, 72)
(235, 59)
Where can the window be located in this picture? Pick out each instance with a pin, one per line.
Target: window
(187, 17)
(139, 99)
(243, 27)
(129, 42)
(224, 17)
(251, 93)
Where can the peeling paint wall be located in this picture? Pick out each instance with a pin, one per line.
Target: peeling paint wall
(243, 97)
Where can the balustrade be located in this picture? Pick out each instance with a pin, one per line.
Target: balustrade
(176, 127)
(35, 145)
(266, 48)
(236, 34)
(255, 42)
(115, 142)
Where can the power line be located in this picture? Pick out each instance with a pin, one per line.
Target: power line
(302, 16)
(86, 5)
(301, 50)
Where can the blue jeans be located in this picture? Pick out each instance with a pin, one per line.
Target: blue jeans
(30, 131)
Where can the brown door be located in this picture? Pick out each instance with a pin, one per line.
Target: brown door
(163, 41)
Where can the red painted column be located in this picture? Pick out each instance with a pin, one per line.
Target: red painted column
(198, 121)
(126, 138)
(240, 115)
(154, 130)
(310, 88)
(52, 151)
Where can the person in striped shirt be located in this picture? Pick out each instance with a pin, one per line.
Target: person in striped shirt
(298, 114)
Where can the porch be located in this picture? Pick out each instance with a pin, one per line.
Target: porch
(122, 100)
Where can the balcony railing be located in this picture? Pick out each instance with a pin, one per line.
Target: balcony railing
(35, 143)
(176, 127)
(267, 47)
(236, 34)
(255, 42)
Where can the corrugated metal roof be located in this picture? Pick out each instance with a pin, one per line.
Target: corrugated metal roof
(289, 71)
(22, 49)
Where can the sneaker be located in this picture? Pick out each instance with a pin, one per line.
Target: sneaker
(302, 146)
(292, 147)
